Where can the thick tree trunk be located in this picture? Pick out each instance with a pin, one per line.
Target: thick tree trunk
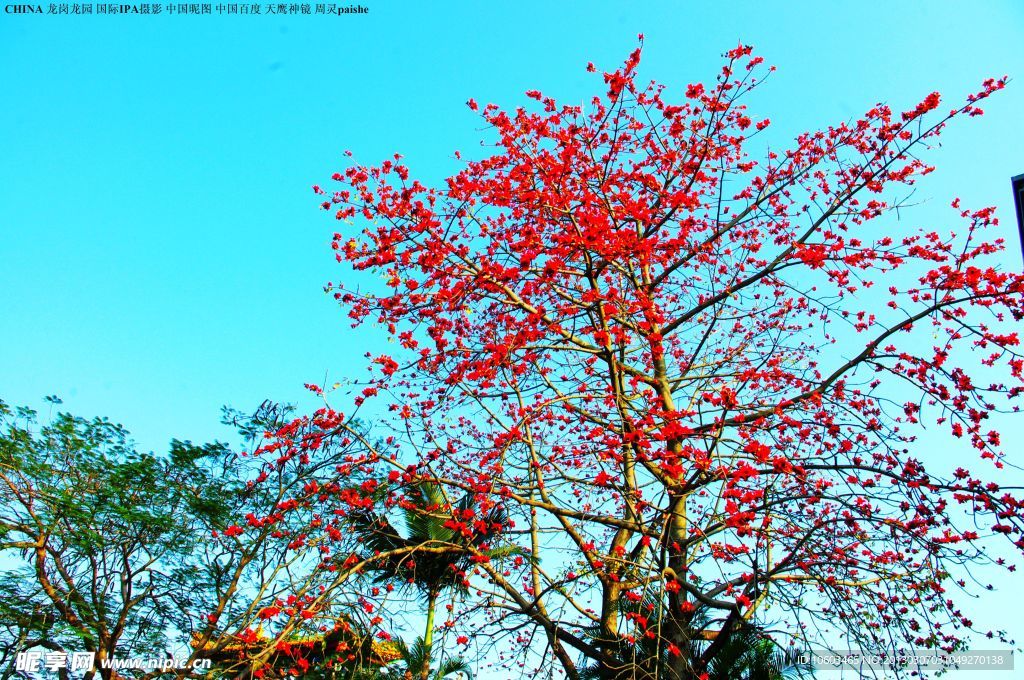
(678, 622)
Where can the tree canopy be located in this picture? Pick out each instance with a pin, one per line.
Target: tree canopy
(690, 371)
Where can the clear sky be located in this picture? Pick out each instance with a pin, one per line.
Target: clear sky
(161, 253)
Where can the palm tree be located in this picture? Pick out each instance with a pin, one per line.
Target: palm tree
(751, 655)
(416, 661)
(748, 654)
(427, 517)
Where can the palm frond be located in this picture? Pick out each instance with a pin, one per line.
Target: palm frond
(376, 532)
(425, 519)
(451, 666)
(416, 657)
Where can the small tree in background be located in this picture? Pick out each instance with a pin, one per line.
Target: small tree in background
(100, 534)
(126, 554)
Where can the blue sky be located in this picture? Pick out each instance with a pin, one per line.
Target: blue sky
(161, 253)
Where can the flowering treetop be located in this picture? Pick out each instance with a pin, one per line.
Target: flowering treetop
(689, 375)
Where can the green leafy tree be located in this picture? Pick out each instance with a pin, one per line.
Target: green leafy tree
(109, 550)
(96, 534)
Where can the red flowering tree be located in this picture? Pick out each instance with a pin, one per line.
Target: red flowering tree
(689, 376)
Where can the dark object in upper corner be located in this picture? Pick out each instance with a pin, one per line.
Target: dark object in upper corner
(1018, 204)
